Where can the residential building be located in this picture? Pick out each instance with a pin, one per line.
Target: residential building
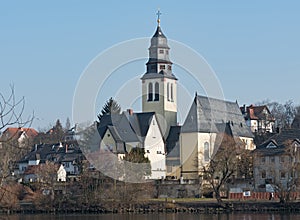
(120, 133)
(258, 118)
(67, 154)
(41, 173)
(276, 161)
(23, 136)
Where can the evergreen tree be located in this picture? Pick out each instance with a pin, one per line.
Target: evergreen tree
(137, 166)
(110, 107)
(68, 124)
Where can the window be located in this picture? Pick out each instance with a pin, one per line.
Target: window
(172, 92)
(153, 67)
(272, 159)
(168, 91)
(263, 160)
(156, 97)
(158, 152)
(148, 151)
(161, 51)
(263, 174)
(206, 151)
(162, 67)
(282, 159)
(150, 92)
(282, 175)
(167, 52)
(169, 67)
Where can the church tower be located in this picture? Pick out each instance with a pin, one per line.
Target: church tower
(159, 85)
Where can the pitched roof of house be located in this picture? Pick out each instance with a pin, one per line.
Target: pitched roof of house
(261, 112)
(210, 115)
(126, 127)
(277, 143)
(284, 135)
(13, 132)
(52, 152)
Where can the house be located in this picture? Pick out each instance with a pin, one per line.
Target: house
(67, 154)
(258, 118)
(207, 118)
(120, 133)
(44, 173)
(276, 161)
(23, 136)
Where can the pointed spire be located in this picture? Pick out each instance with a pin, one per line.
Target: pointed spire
(158, 17)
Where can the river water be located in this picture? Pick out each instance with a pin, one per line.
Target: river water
(160, 216)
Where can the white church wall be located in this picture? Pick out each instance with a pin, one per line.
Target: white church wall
(155, 151)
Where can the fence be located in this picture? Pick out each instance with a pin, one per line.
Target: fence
(261, 196)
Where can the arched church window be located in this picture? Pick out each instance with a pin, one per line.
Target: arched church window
(206, 151)
(150, 92)
(156, 97)
(168, 91)
(172, 92)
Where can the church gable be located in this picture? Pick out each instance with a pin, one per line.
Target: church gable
(208, 114)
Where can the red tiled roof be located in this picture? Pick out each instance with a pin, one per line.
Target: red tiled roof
(17, 132)
(256, 112)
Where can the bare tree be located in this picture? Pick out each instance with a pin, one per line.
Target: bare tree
(11, 111)
(283, 170)
(11, 114)
(223, 164)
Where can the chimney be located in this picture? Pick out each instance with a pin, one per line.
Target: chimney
(130, 111)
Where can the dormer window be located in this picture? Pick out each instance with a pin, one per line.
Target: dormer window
(169, 67)
(161, 51)
(271, 145)
(162, 67)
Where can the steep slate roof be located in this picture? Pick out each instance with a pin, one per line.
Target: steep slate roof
(285, 135)
(126, 127)
(173, 147)
(279, 140)
(210, 115)
(52, 152)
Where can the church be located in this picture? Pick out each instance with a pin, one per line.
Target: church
(171, 148)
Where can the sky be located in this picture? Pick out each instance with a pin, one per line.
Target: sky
(45, 47)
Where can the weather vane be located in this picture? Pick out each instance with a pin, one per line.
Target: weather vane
(158, 16)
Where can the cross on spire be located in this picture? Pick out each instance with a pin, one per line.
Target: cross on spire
(158, 17)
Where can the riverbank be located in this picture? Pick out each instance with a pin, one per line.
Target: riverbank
(164, 206)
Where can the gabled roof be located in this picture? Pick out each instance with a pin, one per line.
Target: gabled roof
(277, 143)
(285, 135)
(210, 115)
(257, 113)
(126, 127)
(13, 132)
(51, 152)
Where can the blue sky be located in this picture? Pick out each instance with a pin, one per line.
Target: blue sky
(253, 46)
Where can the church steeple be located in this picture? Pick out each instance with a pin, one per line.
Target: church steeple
(159, 61)
(159, 83)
